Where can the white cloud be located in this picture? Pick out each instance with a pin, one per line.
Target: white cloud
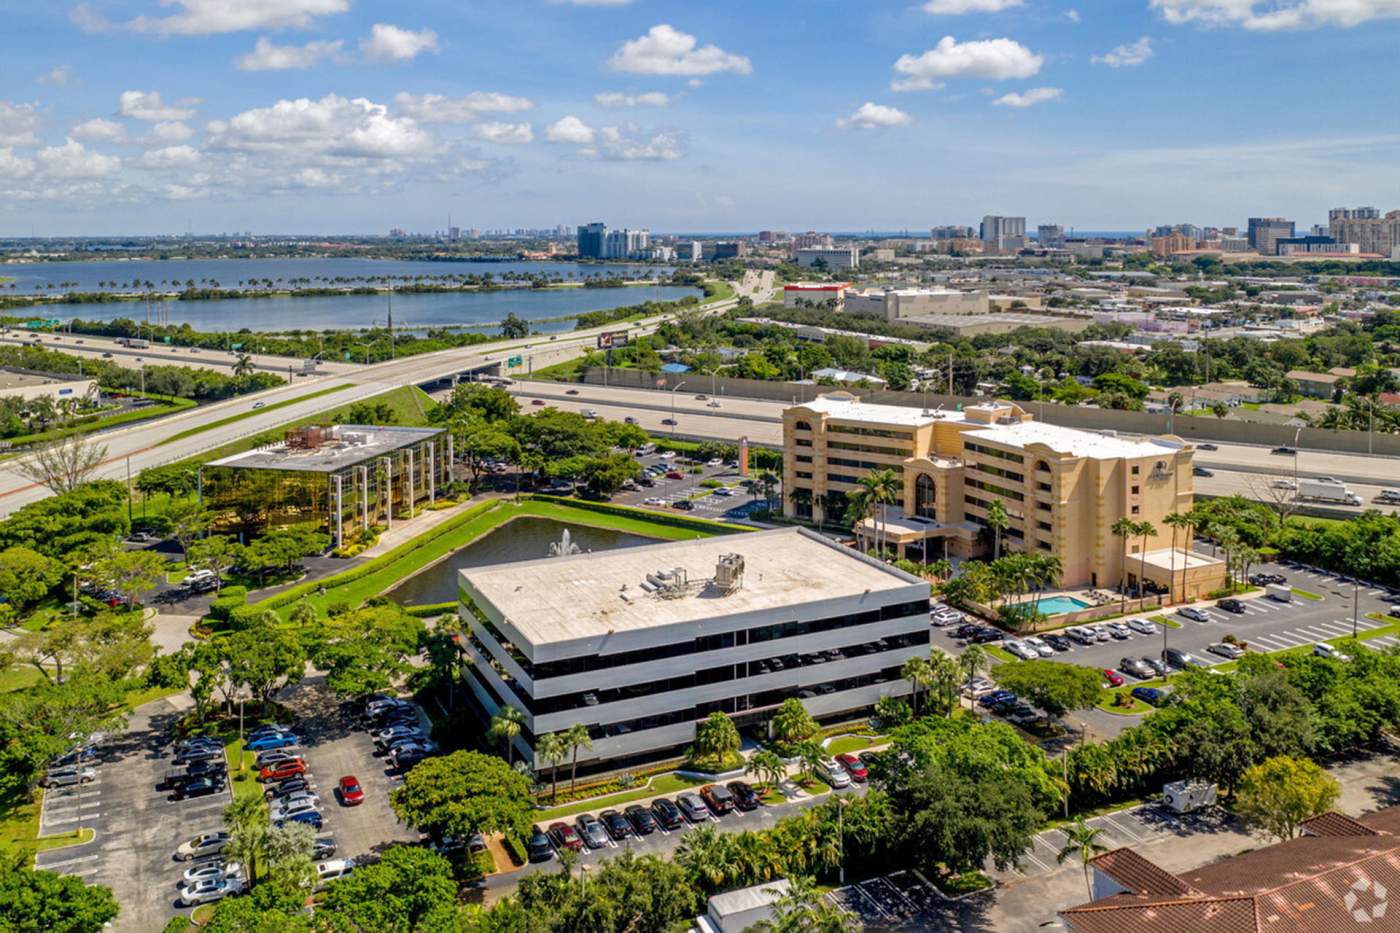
(507, 133)
(98, 130)
(571, 130)
(958, 7)
(870, 116)
(165, 134)
(1072, 15)
(267, 56)
(13, 166)
(435, 108)
(1128, 55)
(1037, 95)
(213, 17)
(664, 50)
(58, 76)
(625, 143)
(331, 127)
(649, 99)
(997, 59)
(388, 43)
(182, 193)
(1268, 15)
(170, 157)
(18, 123)
(73, 160)
(140, 105)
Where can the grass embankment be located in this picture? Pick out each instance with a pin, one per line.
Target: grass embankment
(850, 744)
(164, 406)
(18, 678)
(1166, 621)
(248, 414)
(19, 828)
(244, 782)
(660, 786)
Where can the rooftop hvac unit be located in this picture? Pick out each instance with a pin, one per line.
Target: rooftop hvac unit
(1188, 796)
(729, 572)
(668, 582)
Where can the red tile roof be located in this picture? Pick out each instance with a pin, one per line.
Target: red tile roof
(1139, 875)
(1335, 824)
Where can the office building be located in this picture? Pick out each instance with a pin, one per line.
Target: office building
(592, 241)
(1003, 233)
(341, 480)
(641, 644)
(732, 249)
(834, 258)
(771, 236)
(1050, 236)
(892, 304)
(1306, 245)
(626, 244)
(30, 385)
(815, 294)
(1062, 488)
(811, 240)
(1366, 229)
(952, 232)
(1163, 246)
(1265, 232)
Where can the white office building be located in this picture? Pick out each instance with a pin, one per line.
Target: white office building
(640, 644)
(626, 244)
(834, 258)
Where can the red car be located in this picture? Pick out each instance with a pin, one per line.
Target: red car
(854, 767)
(564, 837)
(1114, 678)
(351, 793)
(675, 474)
(282, 770)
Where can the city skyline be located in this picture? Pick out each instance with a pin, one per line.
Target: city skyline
(145, 117)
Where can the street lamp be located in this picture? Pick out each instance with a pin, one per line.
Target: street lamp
(673, 406)
(841, 838)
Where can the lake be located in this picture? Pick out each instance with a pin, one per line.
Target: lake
(481, 311)
(526, 538)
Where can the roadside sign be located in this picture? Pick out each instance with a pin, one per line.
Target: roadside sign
(515, 361)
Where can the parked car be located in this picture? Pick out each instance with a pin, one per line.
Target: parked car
(616, 824)
(643, 823)
(1114, 678)
(294, 805)
(1323, 650)
(1020, 650)
(267, 728)
(1158, 667)
(996, 696)
(1039, 645)
(282, 770)
(202, 846)
(745, 797)
(718, 798)
(207, 892)
(202, 743)
(1181, 659)
(693, 806)
(667, 813)
(1194, 614)
(199, 787)
(212, 871)
(591, 832)
(538, 847)
(1149, 695)
(351, 793)
(333, 870)
(835, 775)
(274, 756)
(383, 737)
(1119, 631)
(563, 837)
(854, 767)
(1081, 635)
(287, 788)
(978, 687)
(1058, 642)
(1023, 715)
(311, 818)
(1143, 626)
(1226, 650)
(272, 740)
(1137, 667)
(70, 776)
(323, 847)
(1231, 605)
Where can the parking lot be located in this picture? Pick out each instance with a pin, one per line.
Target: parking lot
(900, 901)
(705, 501)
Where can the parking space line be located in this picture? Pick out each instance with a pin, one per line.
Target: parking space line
(64, 863)
(1113, 818)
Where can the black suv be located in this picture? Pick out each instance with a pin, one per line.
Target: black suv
(1231, 605)
(641, 818)
(667, 813)
(745, 797)
(538, 847)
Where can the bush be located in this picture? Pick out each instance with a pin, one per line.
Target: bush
(231, 598)
(245, 616)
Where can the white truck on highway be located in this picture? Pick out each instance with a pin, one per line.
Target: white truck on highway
(1326, 489)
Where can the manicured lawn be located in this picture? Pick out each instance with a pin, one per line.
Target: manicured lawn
(163, 406)
(1138, 707)
(19, 828)
(958, 885)
(850, 744)
(661, 785)
(1305, 594)
(1001, 654)
(248, 414)
(1164, 620)
(244, 783)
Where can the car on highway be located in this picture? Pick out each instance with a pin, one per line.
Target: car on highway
(1114, 678)
(667, 813)
(1149, 695)
(538, 848)
(350, 791)
(1206, 446)
(1143, 626)
(257, 405)
(1137, 667)
(591, 831)
(1226, 650)
(745, 797)
(1284, 484)
(718, 798)
(693, 806)
(202, 846)
(1201, 471)
(1285, 450)
(563, 836)
(1194, 614)
(669, 422)
(571, 391)
(1231, 605)
(590, 413)
(854, 767)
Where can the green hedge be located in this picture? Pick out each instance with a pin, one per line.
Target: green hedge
(645, 515)
(230, 598)
(430, 610)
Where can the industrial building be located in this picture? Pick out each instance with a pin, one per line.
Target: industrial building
(1062, 488)
(818, 294)
(29, 385)
(340, 480)
(641, 644)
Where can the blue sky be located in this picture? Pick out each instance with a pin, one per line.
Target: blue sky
(148, 116)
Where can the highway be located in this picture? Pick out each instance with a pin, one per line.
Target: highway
(1238, 468)
(88, 347)
(132, 449)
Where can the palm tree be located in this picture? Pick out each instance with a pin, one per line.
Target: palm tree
(708, 855)
(1176, 521)
(1144, 530)
(1124, 528)
(247, 822)
(576, 737)
(1082, 840)
(917, 671)
(973, 661)
(766, 765)
(859, 507)
(883, 487)
(792, 722)
(243, 365)
(801, 909)
(943, 676)
(810, 759)
(942, 569)
(997, 520)
(717, 738)
(505, 726)
(551, 749)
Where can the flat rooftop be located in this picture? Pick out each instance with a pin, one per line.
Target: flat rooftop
(348, 445)
(14, 379)
(1071, 441)
(563, 599)
(853, 409)
(1164, 559)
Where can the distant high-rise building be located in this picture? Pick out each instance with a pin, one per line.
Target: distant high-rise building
(592, 241)
(1003, 233)
(771, 236)
(1353, 213)
(1365, 228)
(811, 240)
(1050, 236)
(952, 232)
(1265, 232)
(733, 249)
(624, 244)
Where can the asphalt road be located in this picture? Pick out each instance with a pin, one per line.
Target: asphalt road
(192, 357)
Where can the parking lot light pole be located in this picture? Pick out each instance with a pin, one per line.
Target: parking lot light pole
(673, 406)
(1355, 599)
(242, 752)
(841, 838)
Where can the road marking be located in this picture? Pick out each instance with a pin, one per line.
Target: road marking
(73, 819)
(64, 863)
(1131, 834)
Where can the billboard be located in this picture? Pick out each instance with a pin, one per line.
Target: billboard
(614, 338)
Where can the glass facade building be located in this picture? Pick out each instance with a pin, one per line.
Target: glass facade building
(340, 480)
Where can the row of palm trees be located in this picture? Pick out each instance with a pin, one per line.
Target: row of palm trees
(944, 675)
(1239, 556)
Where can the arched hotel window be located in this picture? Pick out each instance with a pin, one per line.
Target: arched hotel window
(802, 426)
(1042, 465)
(924, 496)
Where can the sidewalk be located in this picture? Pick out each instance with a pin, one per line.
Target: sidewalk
(424, 520)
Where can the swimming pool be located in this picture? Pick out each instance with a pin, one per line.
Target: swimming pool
(1059, 605)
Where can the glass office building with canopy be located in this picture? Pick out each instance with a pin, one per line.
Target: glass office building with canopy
(341, 480)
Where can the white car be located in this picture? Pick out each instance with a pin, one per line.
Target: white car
(668, 455)
(201, 845)
(297, 799)
(1324, 650)
(1194, 614)
(834, 774)
(1081, 635)
(206, 892)
(285, 811)
(1019, 649)
(333, 870)
(67, 777)
(1039, 645)
(1224, 650)
(1119, 630)
(724, 491)
(214, 871)
(1145, 626)
(716, 462)
(978, 687)
(1284, 484)
(1100, 632)
(654, 500)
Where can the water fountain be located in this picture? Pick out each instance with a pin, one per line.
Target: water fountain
(565, 546)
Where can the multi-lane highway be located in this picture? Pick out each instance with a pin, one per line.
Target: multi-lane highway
(88, 347)
(135, 448)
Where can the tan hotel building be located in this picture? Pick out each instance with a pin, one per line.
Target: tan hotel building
(1062, 488)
